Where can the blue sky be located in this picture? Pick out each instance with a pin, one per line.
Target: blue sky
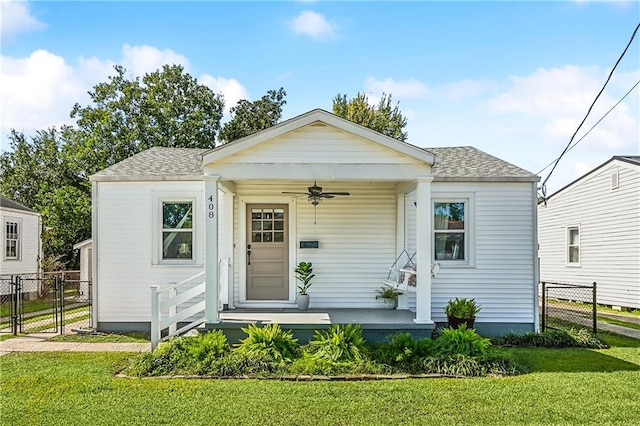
(511, 78)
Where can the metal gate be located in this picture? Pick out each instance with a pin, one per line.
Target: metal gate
(46, 304)
(569, 305)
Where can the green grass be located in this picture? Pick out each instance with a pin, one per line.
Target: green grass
(619, 322)
(102, 338)
(565, 386)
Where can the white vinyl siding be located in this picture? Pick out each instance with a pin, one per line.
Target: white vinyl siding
(502, 278)
(27, 244)
(609, 234)
(128, 260)
(356, 237)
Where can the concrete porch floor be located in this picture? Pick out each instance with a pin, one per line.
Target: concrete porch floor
(376, 323)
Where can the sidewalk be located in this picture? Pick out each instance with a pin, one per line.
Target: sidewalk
(39, 343)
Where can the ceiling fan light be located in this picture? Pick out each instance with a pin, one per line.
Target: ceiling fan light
(314, 199)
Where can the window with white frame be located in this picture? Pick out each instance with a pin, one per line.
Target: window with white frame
(12, 240)
(450, 231)
(573, 245)
(177, 230)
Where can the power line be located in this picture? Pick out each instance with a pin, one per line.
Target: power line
(593, 127)
(590, 108)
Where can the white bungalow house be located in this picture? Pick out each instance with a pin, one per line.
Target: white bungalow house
(590, 232)
(168, 215)
(21, 239)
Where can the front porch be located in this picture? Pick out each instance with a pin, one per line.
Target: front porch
(376, 323)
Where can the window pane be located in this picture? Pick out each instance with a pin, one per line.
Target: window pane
(256, 237)
(574, 255)
(448, 216)
(177, 245)
(574, 236)
(256, 214)
(267, 225)
(449, 246)
(256, 225)
(267, 237)
(267, 213)
(278, 225)
(278, 237)
(177, 216)
(278, 214)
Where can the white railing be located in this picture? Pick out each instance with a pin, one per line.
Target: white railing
(165, 304)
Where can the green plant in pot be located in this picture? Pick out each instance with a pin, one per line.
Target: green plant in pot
(304, 274)
(461, 311)
(389, 296)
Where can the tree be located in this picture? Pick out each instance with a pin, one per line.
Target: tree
(382, 117)
(165, 108)
(251, 117)
(36, 173)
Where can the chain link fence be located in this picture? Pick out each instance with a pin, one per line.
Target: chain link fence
(568, 305)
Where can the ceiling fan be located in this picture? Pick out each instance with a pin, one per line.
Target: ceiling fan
(315, 195)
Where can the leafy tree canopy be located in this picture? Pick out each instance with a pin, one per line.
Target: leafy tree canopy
(165, 108)
(383, 117)
(250, 117)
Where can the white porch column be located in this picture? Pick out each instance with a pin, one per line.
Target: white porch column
(226, 234)
(211, 249)
(423, 248)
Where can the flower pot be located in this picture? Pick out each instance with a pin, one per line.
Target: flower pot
(303, 302)
(390, 303)
(455, 322)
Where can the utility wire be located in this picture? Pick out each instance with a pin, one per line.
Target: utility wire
(590, 108)
(593, 127)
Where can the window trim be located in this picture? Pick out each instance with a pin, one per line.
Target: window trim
(469, 227)
(568, 246)
(18, 222)
(161, 198)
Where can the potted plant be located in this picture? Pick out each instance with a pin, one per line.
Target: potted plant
(461, 311)
(304, 274)
(389, 296)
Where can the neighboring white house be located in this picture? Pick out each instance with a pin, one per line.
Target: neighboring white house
(167, 214)
(590, 231)
(21, 244)
(85, 249)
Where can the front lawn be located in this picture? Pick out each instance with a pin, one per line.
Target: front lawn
(564, 386)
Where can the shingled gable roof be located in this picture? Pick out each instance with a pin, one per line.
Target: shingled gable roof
(452, 164)
(10, 204)
(313, 117)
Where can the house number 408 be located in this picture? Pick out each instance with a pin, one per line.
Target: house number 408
(212, 208)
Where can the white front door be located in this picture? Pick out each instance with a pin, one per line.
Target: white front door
(267, 252)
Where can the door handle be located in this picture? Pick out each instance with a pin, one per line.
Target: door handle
(249, 254)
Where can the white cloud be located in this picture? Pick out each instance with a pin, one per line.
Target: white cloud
(17, 18)
(314, 25)
(408, 89)
(140, 60)
(39, 91)
(232, 90)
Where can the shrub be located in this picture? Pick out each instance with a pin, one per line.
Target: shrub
(269, 343)
(461, 341)
(310, 364)
(182, 355)
(463, 365)
(402, 349)
(555, 339)
(339, 343)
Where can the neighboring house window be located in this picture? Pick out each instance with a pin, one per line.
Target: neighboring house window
(573, 245)
(450, 231)
(177, 230)
(12, 240)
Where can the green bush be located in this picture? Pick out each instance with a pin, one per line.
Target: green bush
(182, 355)
(309, 364)
(572, 338)
(469, 366)
(269, 343)
(401, 349)
(339, 343)
(461, 341)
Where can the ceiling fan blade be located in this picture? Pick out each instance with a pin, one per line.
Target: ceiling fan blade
(336, 193)
(295, 193)
(325, 195)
